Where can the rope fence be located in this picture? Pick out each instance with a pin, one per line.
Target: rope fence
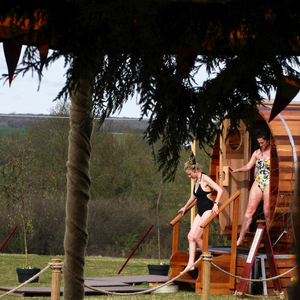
(254, 280)
(148, 290)
(24, 283)
(56, 265)
(203, 258)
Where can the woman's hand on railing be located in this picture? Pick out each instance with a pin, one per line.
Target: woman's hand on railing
(215, 209)
(181, 213)
(182, 210)
(223, 206)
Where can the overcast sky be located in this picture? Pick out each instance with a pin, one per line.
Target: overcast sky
(23, 95)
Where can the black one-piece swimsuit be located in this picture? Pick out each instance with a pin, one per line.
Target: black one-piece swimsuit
(203, 202)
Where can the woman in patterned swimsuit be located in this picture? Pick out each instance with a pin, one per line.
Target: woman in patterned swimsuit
(260, 188)
(203, 186)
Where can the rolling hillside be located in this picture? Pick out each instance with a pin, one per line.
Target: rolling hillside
(18, 123)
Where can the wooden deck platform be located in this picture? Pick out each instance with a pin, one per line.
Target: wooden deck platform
(119, 284)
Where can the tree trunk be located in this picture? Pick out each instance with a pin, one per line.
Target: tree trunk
(78, 187)
(24, 232)
(158, 219)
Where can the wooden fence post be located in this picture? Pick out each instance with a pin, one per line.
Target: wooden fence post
(56, 266)
(206, 258)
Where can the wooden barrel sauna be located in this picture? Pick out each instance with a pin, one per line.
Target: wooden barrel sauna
(284, 131)
(236, 151)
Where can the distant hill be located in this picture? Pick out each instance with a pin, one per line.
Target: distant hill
(118, 125)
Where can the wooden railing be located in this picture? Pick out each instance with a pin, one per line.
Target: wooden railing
(235, 216)
(175, 222)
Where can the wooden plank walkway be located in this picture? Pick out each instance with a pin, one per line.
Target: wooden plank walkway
(118, 284)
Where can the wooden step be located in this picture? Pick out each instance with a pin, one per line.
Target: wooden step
(190, 281)
(220, 282)
(260, 222)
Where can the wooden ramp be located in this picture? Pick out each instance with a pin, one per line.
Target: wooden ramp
(118, 284)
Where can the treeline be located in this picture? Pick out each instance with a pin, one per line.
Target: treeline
(124, 193)
(25, 121)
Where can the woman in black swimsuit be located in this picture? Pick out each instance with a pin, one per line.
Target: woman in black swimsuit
(203, 186)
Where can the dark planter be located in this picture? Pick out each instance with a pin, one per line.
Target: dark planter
(25, 274)
(159, 269)
(291, 292)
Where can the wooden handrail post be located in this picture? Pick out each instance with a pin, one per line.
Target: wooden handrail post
(175, 238)
(204, 250)
(56, 266)
(234, 235)
(206, 258)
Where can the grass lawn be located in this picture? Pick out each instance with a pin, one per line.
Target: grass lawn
(95, 267)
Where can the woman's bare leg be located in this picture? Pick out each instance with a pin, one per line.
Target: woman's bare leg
(192, 242)
(195, 237)
(199, 236)
(245, 225)
(255, 197)
(266, 197)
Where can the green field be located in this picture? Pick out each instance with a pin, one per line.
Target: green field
(95, 267)
(6, 131)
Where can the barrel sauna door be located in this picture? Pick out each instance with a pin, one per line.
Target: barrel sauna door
(235, 152)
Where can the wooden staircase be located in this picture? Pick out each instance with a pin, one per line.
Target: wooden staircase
(220, 282)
